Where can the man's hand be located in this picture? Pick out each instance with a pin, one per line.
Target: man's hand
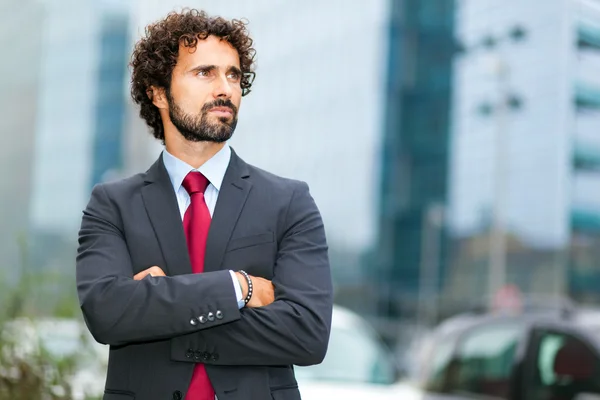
(152, 271)
(263, 291)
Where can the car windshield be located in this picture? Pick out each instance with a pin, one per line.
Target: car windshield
(353, 355)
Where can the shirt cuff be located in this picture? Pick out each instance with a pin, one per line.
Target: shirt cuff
(238, 290)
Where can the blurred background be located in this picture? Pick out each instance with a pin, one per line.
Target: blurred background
(452, 146)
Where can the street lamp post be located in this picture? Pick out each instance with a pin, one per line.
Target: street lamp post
(497, 272)
(504, 102)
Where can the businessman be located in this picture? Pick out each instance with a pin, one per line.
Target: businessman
(209, 278)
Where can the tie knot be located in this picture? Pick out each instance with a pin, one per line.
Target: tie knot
(195, 182)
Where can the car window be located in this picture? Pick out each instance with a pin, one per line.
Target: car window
(564, 367)
(436, 359)
(353, 355)
(482, 363)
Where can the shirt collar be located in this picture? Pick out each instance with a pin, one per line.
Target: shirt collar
(214, 169)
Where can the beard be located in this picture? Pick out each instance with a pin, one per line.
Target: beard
(198, 128)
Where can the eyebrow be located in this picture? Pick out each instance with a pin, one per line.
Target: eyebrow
(203, 68)
(236, 70)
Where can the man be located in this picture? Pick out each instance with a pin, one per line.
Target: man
(205, 275)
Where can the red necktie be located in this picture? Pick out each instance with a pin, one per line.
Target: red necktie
(196, 223)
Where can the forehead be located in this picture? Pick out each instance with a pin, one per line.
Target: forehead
(210, 51)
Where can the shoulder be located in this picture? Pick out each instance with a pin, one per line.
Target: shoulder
(298, 210)
(117, 188)
(275, 183)
(110, 200)
(292, 194)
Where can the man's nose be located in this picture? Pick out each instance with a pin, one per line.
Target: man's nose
(222, 88)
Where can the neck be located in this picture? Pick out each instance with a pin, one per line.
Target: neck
(192, 153)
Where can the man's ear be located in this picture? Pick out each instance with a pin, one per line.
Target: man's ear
(158, 96)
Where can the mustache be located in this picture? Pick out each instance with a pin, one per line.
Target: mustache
(220, 103)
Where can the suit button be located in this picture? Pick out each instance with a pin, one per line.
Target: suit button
(189, 353)
(198, 355)
(219, 314)
(211, 317)
(215, 357)
(202, 319)
(194, 321)
(177, 395)
(206, 356)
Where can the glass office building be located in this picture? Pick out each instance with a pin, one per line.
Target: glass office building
(584, 250)
(416, 151)
(525, 147)
(21, 47)
(491, 162)
(79, 124)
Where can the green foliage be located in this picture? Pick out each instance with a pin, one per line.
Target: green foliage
(28, 371)
(31, 373)
(34, 377)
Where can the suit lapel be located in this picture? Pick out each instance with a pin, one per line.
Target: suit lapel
(232, 197)
(162, 208)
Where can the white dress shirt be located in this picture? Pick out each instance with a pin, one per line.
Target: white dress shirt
(214, 170)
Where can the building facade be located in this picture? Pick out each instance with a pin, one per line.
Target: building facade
(524, 183)
(21, 46)
(79, 122)
(491, 159)
(416, 151)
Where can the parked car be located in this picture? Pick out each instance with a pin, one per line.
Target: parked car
(550, 355)
(357, 365)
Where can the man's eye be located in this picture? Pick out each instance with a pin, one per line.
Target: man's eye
(202, 72)
(233, 75)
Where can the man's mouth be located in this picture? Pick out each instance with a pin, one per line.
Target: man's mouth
(222, 111)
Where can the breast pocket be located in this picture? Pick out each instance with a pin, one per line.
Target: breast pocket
(250, 241)
(255, 254)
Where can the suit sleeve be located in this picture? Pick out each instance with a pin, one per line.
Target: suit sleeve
(295, 328)
(119, 310)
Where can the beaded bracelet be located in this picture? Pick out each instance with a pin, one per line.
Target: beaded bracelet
(247, 299)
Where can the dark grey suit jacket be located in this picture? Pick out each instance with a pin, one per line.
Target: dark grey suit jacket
(159, 327)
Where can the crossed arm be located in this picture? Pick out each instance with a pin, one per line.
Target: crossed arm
(263, 291)
(287, 321)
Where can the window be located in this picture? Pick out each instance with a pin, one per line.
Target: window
(439, 357)
(564, 367)
(483, 363)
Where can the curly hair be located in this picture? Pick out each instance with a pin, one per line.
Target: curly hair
(155, 55)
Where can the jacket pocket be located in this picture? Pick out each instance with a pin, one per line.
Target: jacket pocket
(110, 394)
(253, 240)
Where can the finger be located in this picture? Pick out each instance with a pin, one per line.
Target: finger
(152, 271)
(157, 271)
(141, 275)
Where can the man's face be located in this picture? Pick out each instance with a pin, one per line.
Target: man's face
(205, 92)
